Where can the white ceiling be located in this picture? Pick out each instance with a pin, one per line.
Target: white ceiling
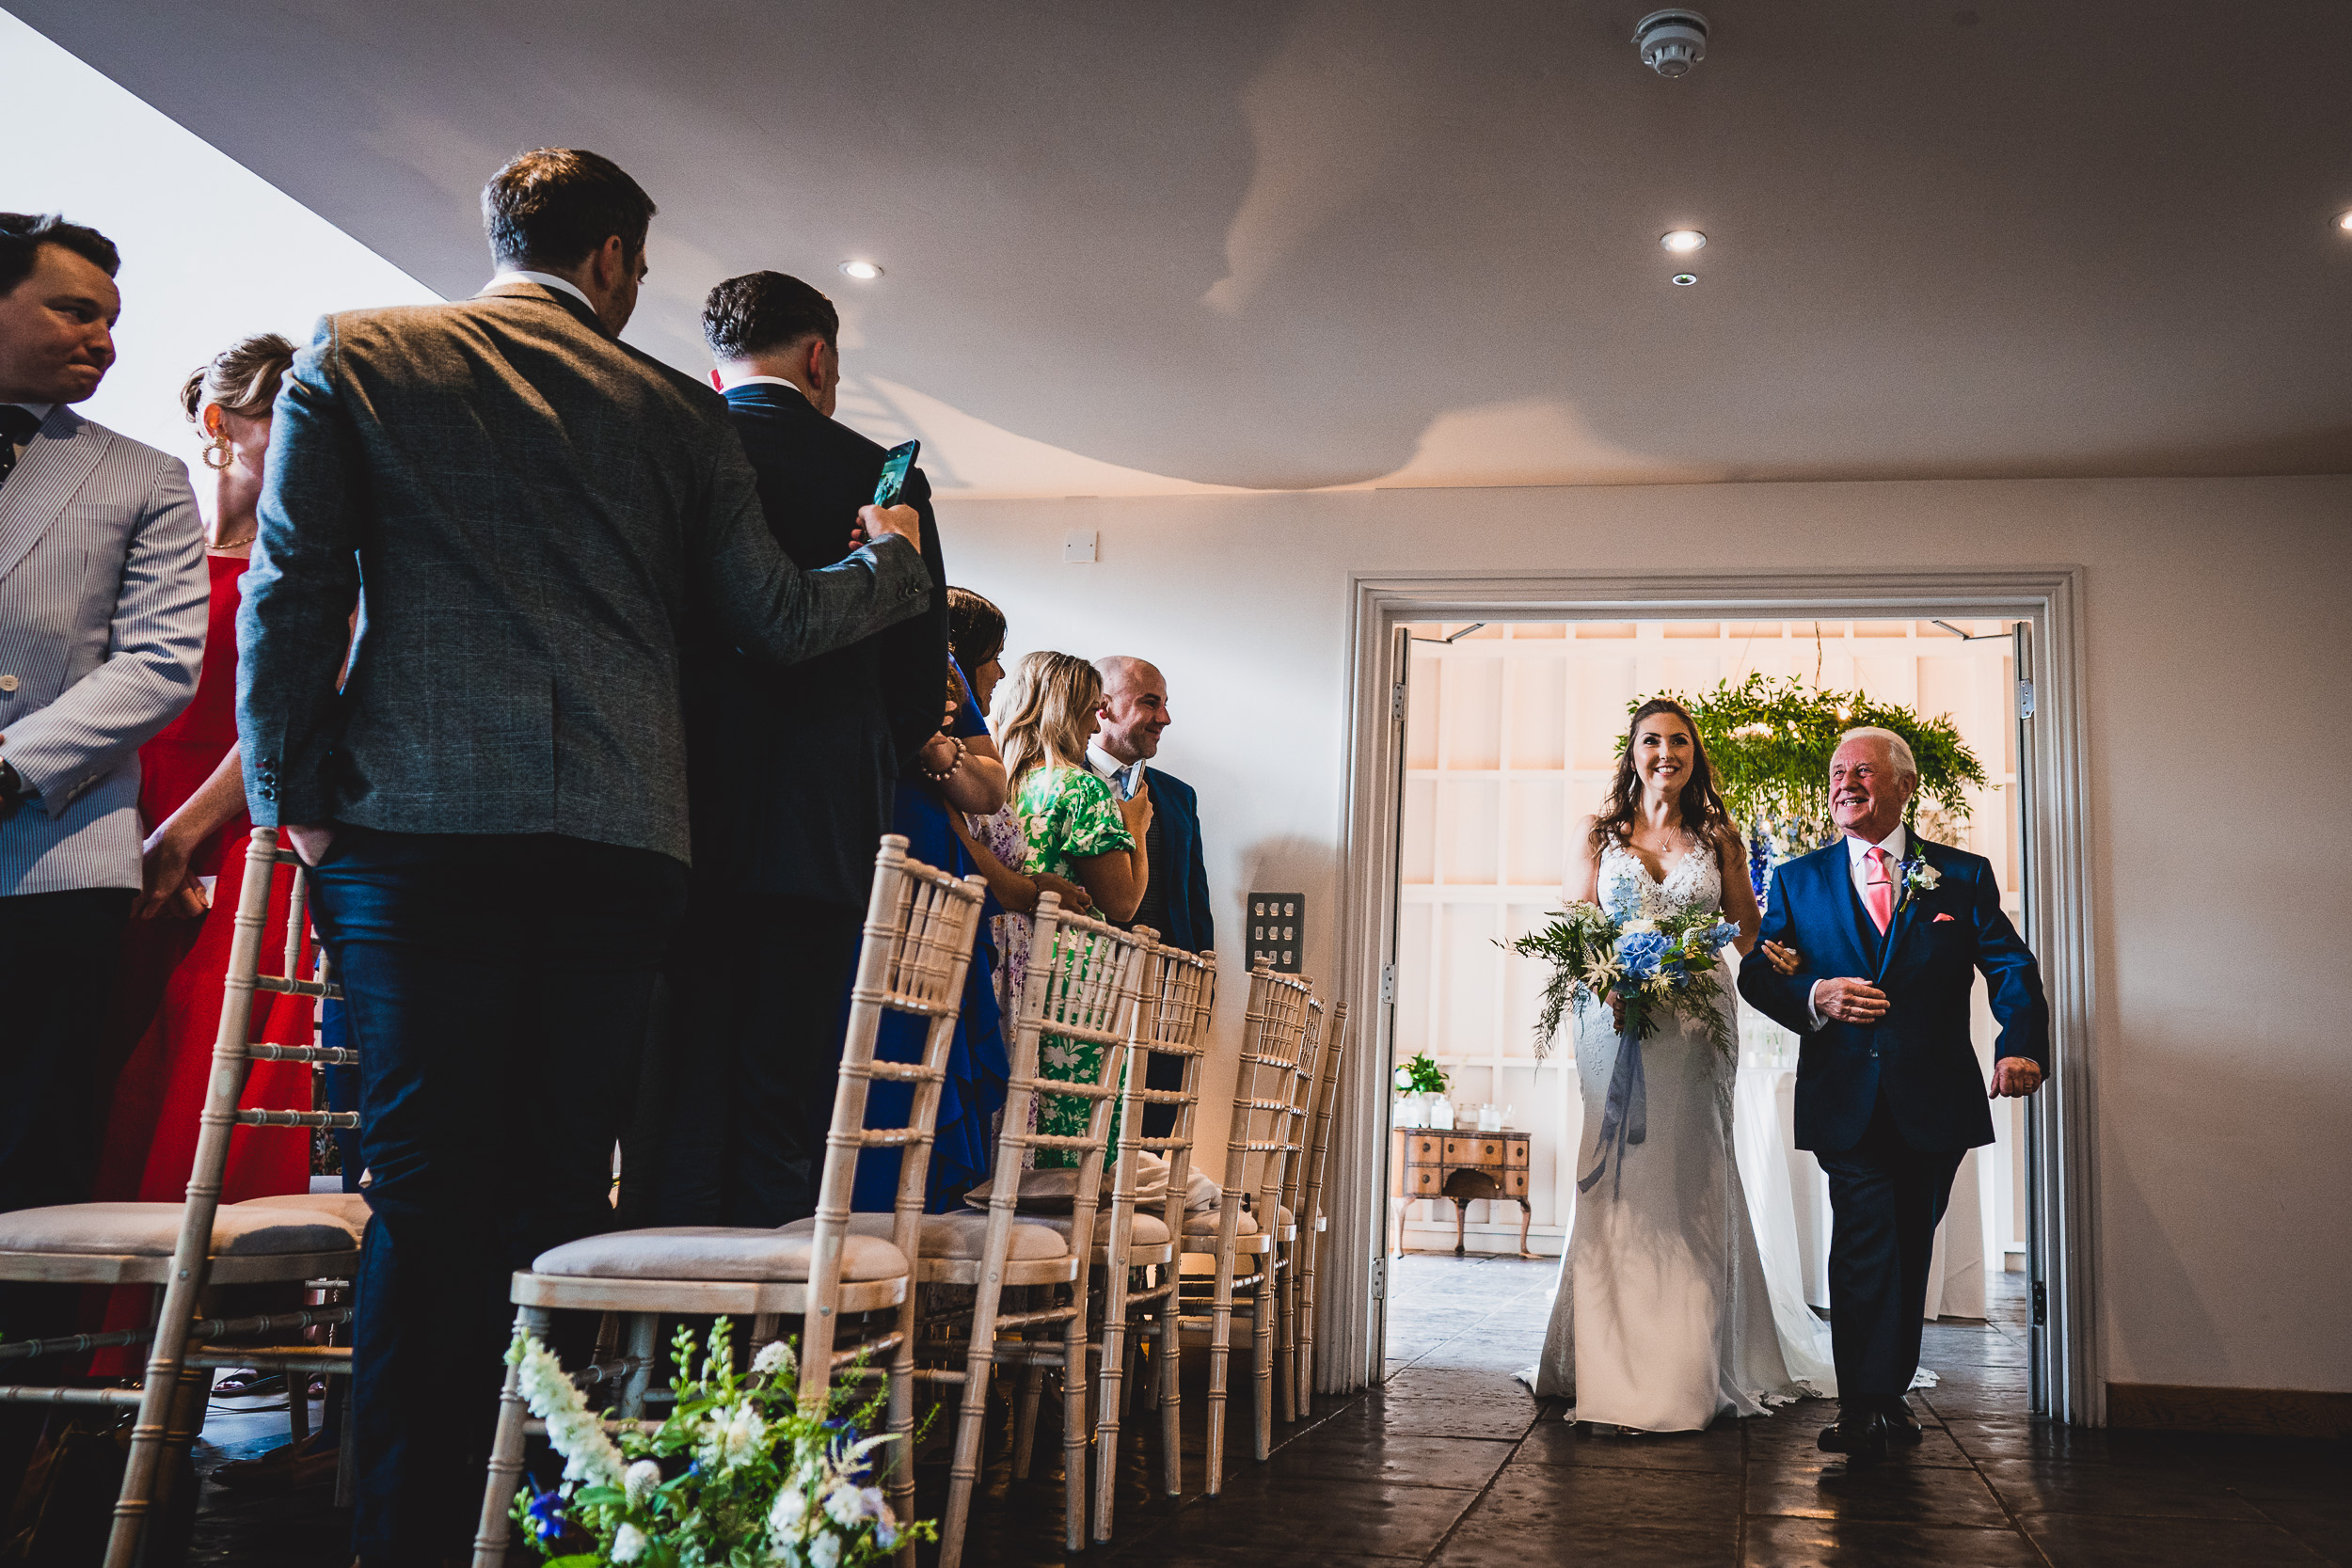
(1150, 249)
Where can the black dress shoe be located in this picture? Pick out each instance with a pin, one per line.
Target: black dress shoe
(1859, 1435)
(1901, 1425)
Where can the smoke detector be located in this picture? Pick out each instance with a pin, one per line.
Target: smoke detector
(1671, 41)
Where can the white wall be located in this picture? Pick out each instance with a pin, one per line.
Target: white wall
(2221, 831)
(211, 252)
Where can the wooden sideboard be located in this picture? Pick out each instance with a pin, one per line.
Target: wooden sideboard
(1466, 1166)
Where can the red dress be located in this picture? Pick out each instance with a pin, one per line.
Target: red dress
(173, 970)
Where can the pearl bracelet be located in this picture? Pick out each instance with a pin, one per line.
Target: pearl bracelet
(944, 775)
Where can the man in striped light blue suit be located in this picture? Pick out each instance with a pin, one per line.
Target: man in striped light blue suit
(102, 601)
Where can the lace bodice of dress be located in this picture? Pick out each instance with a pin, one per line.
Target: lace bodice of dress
(1627, 890)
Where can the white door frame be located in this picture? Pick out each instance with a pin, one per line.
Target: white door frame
(2060, 1119)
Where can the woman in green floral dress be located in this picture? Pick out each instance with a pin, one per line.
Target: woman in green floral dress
(1046, 710)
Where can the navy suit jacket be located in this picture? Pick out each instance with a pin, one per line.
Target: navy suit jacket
(791, 772)
(1919, 1056)
(1190, 925)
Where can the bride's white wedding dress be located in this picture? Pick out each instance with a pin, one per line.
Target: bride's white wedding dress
(1664, 1318)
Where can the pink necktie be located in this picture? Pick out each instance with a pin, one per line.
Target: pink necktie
(1878, 894)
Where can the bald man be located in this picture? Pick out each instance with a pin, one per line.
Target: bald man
(1134, 712)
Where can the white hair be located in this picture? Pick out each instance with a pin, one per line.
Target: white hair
(1897, 749)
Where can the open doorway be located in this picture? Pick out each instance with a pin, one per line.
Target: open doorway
(1511, 735)
(2049, 1310)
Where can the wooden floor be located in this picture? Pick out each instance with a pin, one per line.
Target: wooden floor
(1454, 1463)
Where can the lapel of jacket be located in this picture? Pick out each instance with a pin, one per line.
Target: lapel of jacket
(1908, 916)
(60, 457)
(1842, 912)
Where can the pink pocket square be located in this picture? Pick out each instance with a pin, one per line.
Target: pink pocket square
(1939, 920)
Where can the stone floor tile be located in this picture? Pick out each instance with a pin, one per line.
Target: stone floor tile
(1721, 1448)
(1405, 1458)
(2321, 1520)
(1869, 1543)
(1893, 1491)
(1614, 1499)
(1278, 1518)
(2105, 1541)
(1557, 1543)
(2063, 1486)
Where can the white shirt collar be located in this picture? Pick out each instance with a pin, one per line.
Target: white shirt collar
(1103, 764)
(545, 281)
(1894, 844)
(728, 383)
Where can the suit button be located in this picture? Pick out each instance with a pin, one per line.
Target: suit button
(8, 683)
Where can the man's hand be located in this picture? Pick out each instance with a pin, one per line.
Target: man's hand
(168, 888)
(1849, 1001)
(875, 521)
(2014, 1077)
(1783, 959)
(1072, 895)
(310, 840)
(1136, 810)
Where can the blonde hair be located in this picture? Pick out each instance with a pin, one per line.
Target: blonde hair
(1043, 712)
(243, 378)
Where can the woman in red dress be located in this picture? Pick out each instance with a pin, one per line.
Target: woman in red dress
(192, 796)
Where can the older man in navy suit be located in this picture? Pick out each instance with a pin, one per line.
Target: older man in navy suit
(1890, 931)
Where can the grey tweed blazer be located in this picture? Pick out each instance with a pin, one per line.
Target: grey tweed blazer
(528, 502)
(102, 598)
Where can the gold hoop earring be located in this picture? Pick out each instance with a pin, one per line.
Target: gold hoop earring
(219, 454)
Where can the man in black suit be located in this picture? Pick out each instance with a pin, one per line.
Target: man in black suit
(494, 800)
(790, 777)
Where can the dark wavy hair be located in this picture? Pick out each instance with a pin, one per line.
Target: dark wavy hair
(1703, 814)
(976, 628)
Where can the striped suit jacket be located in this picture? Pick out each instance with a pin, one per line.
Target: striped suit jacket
(103, 602)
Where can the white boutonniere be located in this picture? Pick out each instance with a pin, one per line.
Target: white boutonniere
(1918, 877)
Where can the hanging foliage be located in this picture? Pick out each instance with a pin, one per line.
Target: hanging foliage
(1770, 741)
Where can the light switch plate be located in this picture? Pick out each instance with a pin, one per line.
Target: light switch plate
(1278, 931)
(1078, 546)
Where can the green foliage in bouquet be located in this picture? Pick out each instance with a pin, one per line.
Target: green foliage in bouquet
(1649, 967)
(1769, 742)
(737, 1477)
(1422, 1075)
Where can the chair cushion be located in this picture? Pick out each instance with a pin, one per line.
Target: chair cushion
(1056, 1191)
(956, 1236)
(1147, 1230)
(713, 1252)
(1202, 1192)
(153, 1230)
(1198, 1225)
(350, 1210)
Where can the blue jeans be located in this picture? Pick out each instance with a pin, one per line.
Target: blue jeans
(499, 989)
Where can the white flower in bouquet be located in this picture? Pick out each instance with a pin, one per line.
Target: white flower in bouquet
(736, 1436)
(877, 1509)
(825, 1552)
(628, 1544)
(639, 1482)
(789, 1513)
(774, 1359)
(1631, 926)
(844, 1507)
(572, 1430)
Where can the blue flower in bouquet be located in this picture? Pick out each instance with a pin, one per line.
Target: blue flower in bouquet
(846, 1437)
(547, 1514)
(1640, 951)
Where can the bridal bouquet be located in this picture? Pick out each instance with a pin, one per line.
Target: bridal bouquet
(1654, 968)
(739, 1476)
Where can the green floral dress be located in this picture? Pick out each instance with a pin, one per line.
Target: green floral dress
(1068, 815)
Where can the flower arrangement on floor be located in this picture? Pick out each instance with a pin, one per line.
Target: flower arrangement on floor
(1652, 968)
(737, 1477)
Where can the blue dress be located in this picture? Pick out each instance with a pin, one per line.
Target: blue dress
(977, 1066)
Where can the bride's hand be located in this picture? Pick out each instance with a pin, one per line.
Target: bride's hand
(1616, 1009)
(1783, 959)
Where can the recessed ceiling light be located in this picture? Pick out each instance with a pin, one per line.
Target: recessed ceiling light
(1681, 240)
(1684, 279)
(2344, 222)
(861, 270)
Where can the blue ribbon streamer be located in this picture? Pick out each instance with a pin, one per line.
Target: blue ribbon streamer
(1624, 1117)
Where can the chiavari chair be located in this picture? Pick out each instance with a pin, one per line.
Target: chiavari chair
(1295, 1127)
(192, 1249)
(1274, 1031)
(920, 925)
(1081, 991)
(1313, 1224)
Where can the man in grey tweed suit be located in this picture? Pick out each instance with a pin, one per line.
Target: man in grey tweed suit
(495, 798)
(103, 597)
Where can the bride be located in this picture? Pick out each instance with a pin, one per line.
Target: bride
(1663, 1319)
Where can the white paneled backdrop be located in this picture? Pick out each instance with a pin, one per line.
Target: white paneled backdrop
(1511, 737)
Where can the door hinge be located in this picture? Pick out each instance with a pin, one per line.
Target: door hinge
(2024, 699)
(1380, 1275)
(1396, 703)
(2041, 1303)
(1388, 985)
